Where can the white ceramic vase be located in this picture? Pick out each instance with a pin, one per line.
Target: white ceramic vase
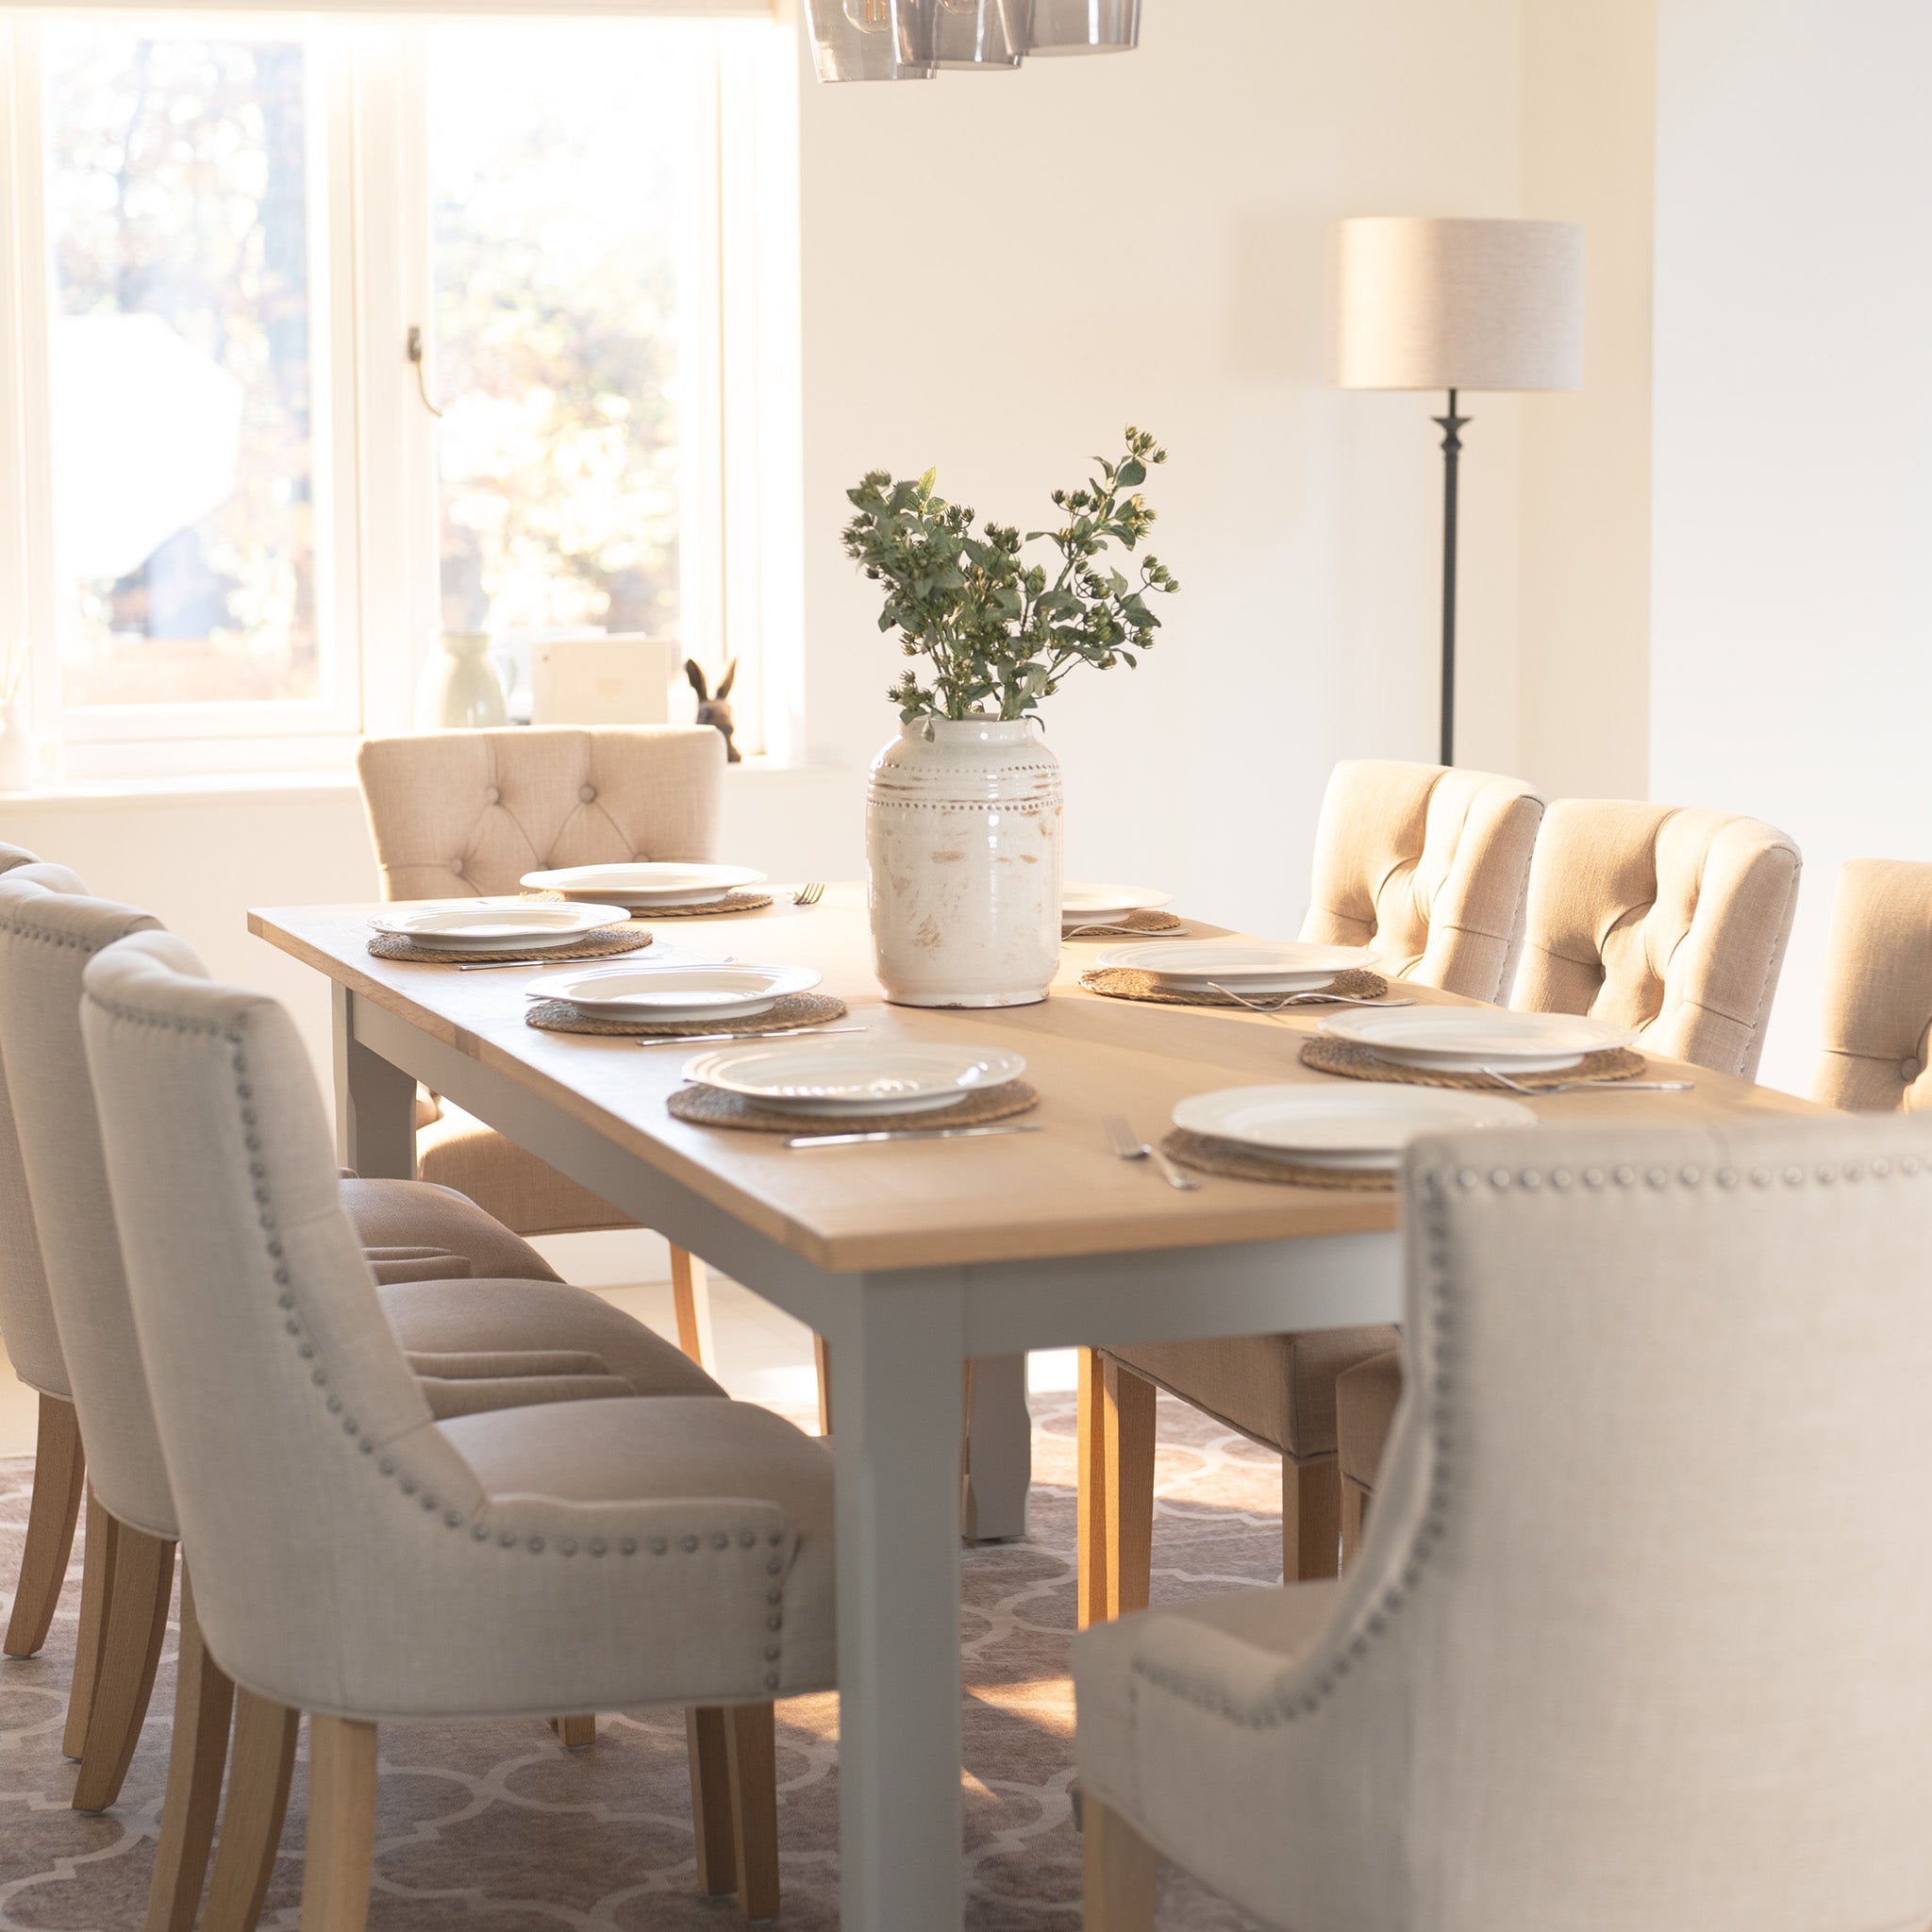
(964, 849)
(460, 690)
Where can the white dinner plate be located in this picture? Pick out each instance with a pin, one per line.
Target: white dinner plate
(1359, 1128)
(1457, 1039)
(493, 925)
(855, 1077)
(678, 991)
(1253, 965)
(646, 884)
(1102, 905)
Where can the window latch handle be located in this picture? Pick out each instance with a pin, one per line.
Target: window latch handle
(415, 354)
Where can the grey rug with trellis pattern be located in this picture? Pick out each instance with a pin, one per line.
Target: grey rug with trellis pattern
(494, 1825)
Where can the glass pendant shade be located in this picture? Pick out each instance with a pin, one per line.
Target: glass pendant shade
(982, 34)
(863, 40)
(1083, 26)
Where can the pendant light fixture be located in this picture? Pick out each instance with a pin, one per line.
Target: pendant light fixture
(1083, 26)
(983, 35)
(863, 40)
(913, 40)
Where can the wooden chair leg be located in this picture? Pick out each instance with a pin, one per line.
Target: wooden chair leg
(1117, 1873)
(259, 1769)
(822, 1361)
(1090, 1509)
(342, 1825)
(688, 1281)
(1131, 1488)
(710, 1799)
(577, 1733)
(59, 1477)
(1310, 1519)
(1355, 1509)
(137, 1624)
(752, 1749)
(204, 1702)
(96, 1587)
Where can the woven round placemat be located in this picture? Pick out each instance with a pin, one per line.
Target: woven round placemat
(1356, 1062)
(1128, 983)
(607, 944)
(1229, 1158)
(794, 1009)
(712, 908)
(1126, 922)
(711, 1106)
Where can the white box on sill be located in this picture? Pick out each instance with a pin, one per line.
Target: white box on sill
(623, 677)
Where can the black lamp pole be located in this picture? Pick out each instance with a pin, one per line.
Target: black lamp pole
(1450, 426)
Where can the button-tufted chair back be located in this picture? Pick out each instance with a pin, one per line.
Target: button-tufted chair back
(1427, 864)
(458, 814)
(1670, 920)
(1878, 988)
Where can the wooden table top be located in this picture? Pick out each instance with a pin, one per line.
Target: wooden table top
(1057, 1192)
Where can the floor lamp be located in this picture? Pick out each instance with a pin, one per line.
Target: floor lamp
(1458, 305)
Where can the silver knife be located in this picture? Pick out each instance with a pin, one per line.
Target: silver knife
(912, 1134)
(774, 1033)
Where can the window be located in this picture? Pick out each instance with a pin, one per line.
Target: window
(243, 510)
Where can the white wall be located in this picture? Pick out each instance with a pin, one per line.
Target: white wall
(1792, 667)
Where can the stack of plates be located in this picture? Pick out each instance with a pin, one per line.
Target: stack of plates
(1106, 905)
(1472, 1039)
(1359, 1130)
(674, 991)
(843, 1078)
(496, 925)
(648, 886)
(1246, 966)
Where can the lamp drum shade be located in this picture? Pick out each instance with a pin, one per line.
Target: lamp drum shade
(1459, 304)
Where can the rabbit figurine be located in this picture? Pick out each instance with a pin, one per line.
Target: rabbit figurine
(714, 710)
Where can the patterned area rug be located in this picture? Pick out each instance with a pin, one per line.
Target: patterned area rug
(495, 1826)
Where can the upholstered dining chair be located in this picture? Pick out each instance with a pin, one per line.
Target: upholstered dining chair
(1877, 1035)
(355, 1557)
(1583, 1674)
(474, 1343)
(1427, 864)
(465, 814)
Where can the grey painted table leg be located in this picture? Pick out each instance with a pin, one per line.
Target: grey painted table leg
(999, 1454)
(897, 1442)
(375, 1105)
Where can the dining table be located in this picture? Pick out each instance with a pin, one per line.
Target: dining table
(913, 1261)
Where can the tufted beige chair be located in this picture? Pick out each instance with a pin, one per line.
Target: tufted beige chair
(1670, 920)
(1879, 990)
(355, 1557)
(474, 1343)
(465, 814)
(1582, 1676)
(1428, 864)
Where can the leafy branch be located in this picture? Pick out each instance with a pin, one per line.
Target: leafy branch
(998, 633)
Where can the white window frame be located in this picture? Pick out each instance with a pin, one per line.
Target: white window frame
(741, 562)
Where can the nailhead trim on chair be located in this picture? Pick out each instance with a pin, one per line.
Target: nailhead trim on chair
(1285, 1707)
(386, 1466)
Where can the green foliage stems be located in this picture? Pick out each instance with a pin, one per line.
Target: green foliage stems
(996, 633)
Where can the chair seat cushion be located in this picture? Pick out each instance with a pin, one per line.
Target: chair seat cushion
(507, 1180)
(417, 1214)
(1365, 1400)
(1278, 1390)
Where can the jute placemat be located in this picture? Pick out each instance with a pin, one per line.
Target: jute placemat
(711, 1106)
(1128, 922)
(607, 944)
(1354, 1061)
(1128, 983)
(794, 1009)
(1229, 1158)
(712, 908)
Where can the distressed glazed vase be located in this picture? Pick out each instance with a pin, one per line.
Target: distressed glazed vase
(963, 833)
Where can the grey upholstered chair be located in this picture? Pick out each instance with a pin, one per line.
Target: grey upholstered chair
(355, 1557)
(475, 1343)
(1427, 864)
(1584, 1675)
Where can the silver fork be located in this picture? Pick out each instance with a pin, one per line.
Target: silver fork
(809, 894)
(1591, 1086)
(1304, 999)
(1128, 1145)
